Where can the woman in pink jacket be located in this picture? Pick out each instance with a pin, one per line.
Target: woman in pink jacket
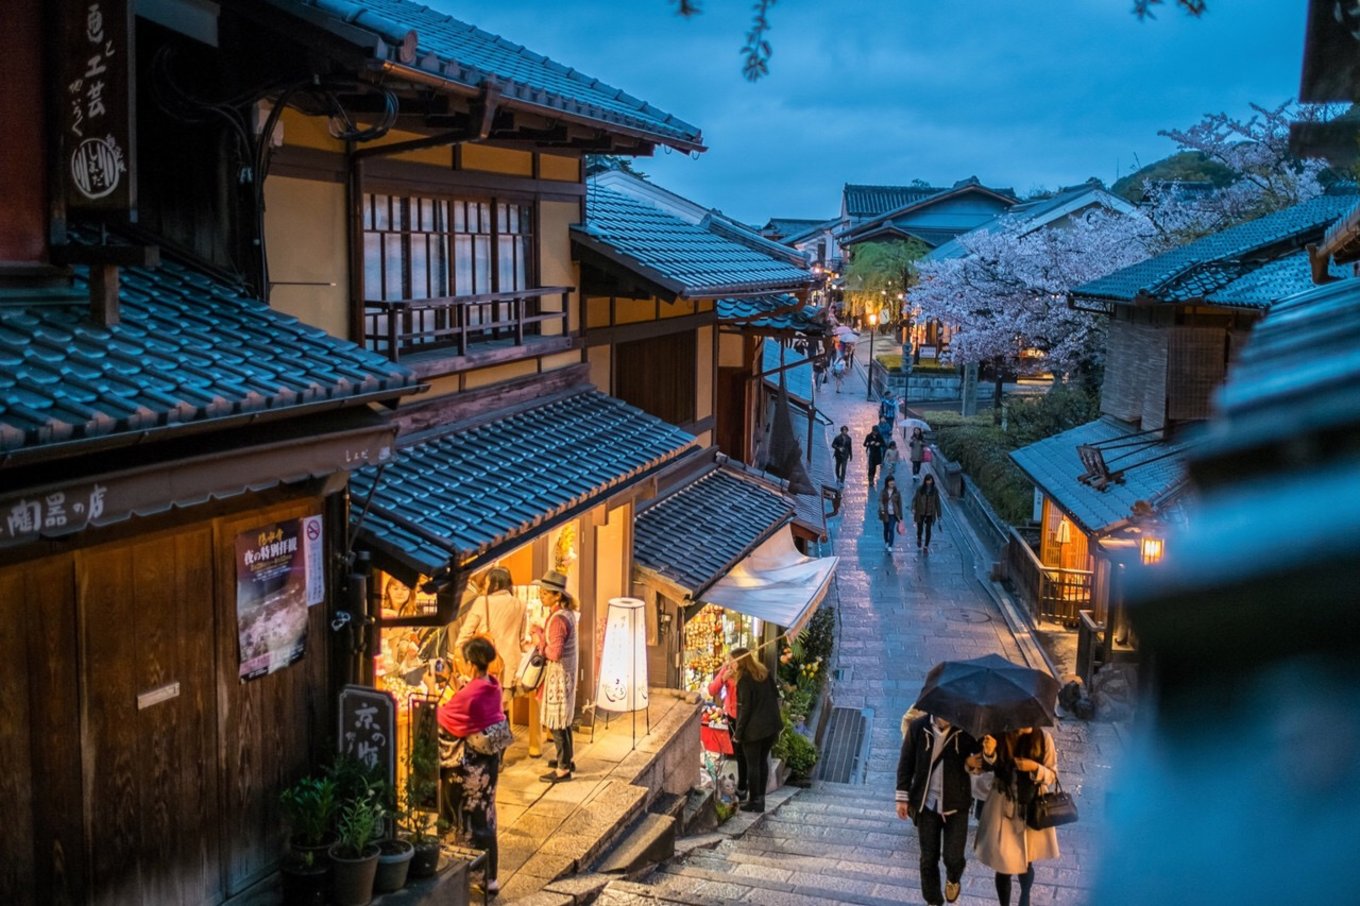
(725, 681)
(469, 776)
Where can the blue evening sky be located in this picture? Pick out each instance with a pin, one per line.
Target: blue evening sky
(1020, 93)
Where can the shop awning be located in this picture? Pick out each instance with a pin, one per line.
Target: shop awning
(457, 497)
(775, 583)
(694, 535)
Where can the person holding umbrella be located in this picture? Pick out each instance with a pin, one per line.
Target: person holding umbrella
(1024, 763)
(935, 791)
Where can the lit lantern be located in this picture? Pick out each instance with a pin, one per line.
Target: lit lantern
(1151, 548)
(623, 666)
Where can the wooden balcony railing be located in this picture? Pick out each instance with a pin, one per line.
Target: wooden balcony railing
(461, 324)
(1049, 591)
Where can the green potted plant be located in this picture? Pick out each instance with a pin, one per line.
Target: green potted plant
(354, 855)
(308, 808)
(419, 816)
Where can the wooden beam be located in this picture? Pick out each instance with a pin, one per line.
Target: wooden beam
(104, 294)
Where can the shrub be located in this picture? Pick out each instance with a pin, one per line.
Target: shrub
(1062, 408)
(981, 451)
(794, 749)
(892, 361)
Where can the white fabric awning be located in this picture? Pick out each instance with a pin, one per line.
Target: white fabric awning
(775, 583)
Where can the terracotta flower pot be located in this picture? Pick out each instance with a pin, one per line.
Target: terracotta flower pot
(394, 861)
(352, 880)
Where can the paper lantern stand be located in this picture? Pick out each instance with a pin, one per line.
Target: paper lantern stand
(622, 684)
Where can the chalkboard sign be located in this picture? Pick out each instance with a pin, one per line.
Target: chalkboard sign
(368, 729)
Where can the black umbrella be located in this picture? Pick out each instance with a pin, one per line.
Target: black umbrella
(989, 695)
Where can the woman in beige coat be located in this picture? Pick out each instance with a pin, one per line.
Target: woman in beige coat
(1024, 764)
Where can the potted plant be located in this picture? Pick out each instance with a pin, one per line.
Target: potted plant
(354, 855)
(309, 810)
(419, 816)
(394, 862)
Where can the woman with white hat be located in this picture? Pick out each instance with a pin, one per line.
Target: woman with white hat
(557, 640)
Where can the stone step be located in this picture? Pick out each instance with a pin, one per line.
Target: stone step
(649, 841)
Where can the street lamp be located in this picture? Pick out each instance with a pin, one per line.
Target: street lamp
(869, 369)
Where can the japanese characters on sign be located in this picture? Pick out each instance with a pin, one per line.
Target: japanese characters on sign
(54, 513)
(368, 728)
(97, 107)
(271, 598)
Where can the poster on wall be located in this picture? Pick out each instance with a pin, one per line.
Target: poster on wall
(271, 597)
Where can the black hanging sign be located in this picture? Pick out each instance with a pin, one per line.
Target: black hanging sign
(368, 729)
(98, 135)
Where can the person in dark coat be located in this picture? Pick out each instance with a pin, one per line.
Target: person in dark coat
(935, 791)
(843, 448)
(758, 725)
(916, 445)
(925, 508)
(889, 510)
(874, 446)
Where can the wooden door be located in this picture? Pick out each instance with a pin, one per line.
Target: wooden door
(151, 771)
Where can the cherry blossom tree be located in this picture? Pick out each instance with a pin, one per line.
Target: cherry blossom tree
(1006, 301)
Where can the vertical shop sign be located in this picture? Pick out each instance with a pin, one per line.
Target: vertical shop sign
(271, 598)
(368, 729)
(314, 559)
(97, 107)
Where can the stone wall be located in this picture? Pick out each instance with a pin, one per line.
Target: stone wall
(933, 385)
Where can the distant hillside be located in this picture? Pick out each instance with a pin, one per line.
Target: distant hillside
(1185, 166)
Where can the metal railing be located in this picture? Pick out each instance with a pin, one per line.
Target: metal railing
(1051, 592)
(461, 324)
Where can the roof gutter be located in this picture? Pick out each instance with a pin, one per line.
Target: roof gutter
(449, 86)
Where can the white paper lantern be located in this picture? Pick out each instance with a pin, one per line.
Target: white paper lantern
(623, 666)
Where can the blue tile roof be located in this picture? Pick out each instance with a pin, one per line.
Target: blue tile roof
(798, 378)
(187, 351)
(685, 258)
(777, 312)
(467, 490)
(870, 201)
(465, 54)
(1150, 470)
(1209, 265)
(695, 535)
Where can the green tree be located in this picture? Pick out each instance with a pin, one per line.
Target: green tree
(878, 275)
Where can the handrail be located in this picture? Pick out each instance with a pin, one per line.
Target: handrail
(474, 299)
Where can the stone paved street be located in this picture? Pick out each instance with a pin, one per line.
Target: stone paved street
(899, 614)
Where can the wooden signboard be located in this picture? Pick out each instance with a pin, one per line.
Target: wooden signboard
(97, 109)
(368, 729)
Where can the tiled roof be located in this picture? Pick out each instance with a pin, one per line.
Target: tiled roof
(1151, 468)
(1297, 374)
(467, 55)
(798, 378)
(870, 201)
(1030, 216)
(685, 258)
(1210, 264)
(468, 489)
(696, 534)
(776, 312)
(1262, 287)
(932, 236)
(187, 350)
(784, 227)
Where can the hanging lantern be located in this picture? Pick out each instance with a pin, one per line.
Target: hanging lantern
(1151, 547)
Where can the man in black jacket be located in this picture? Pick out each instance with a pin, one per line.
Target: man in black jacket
(843, 449)
(935, 790)
(874, 444)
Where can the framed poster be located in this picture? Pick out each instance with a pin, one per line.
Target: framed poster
(271, 597)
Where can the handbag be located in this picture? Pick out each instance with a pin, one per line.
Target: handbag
(493, 740)
(1052, 809)
(530, 674)
(496, 668)
(925, 455)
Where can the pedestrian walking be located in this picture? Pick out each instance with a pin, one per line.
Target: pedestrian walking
(934, 791)
(724, 683)
(885, 428)
(758, 725)
(889, 510)
(916, 446)
(469, 772)
(838, 369)
(925, 509)
(843, 450)
(874, 446)
(1024, 764)
(891, 459)
(557, 640)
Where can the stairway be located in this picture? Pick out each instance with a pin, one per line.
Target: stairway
(834, 843)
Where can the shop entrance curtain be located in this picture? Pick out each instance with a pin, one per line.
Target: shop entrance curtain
(775, 583)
